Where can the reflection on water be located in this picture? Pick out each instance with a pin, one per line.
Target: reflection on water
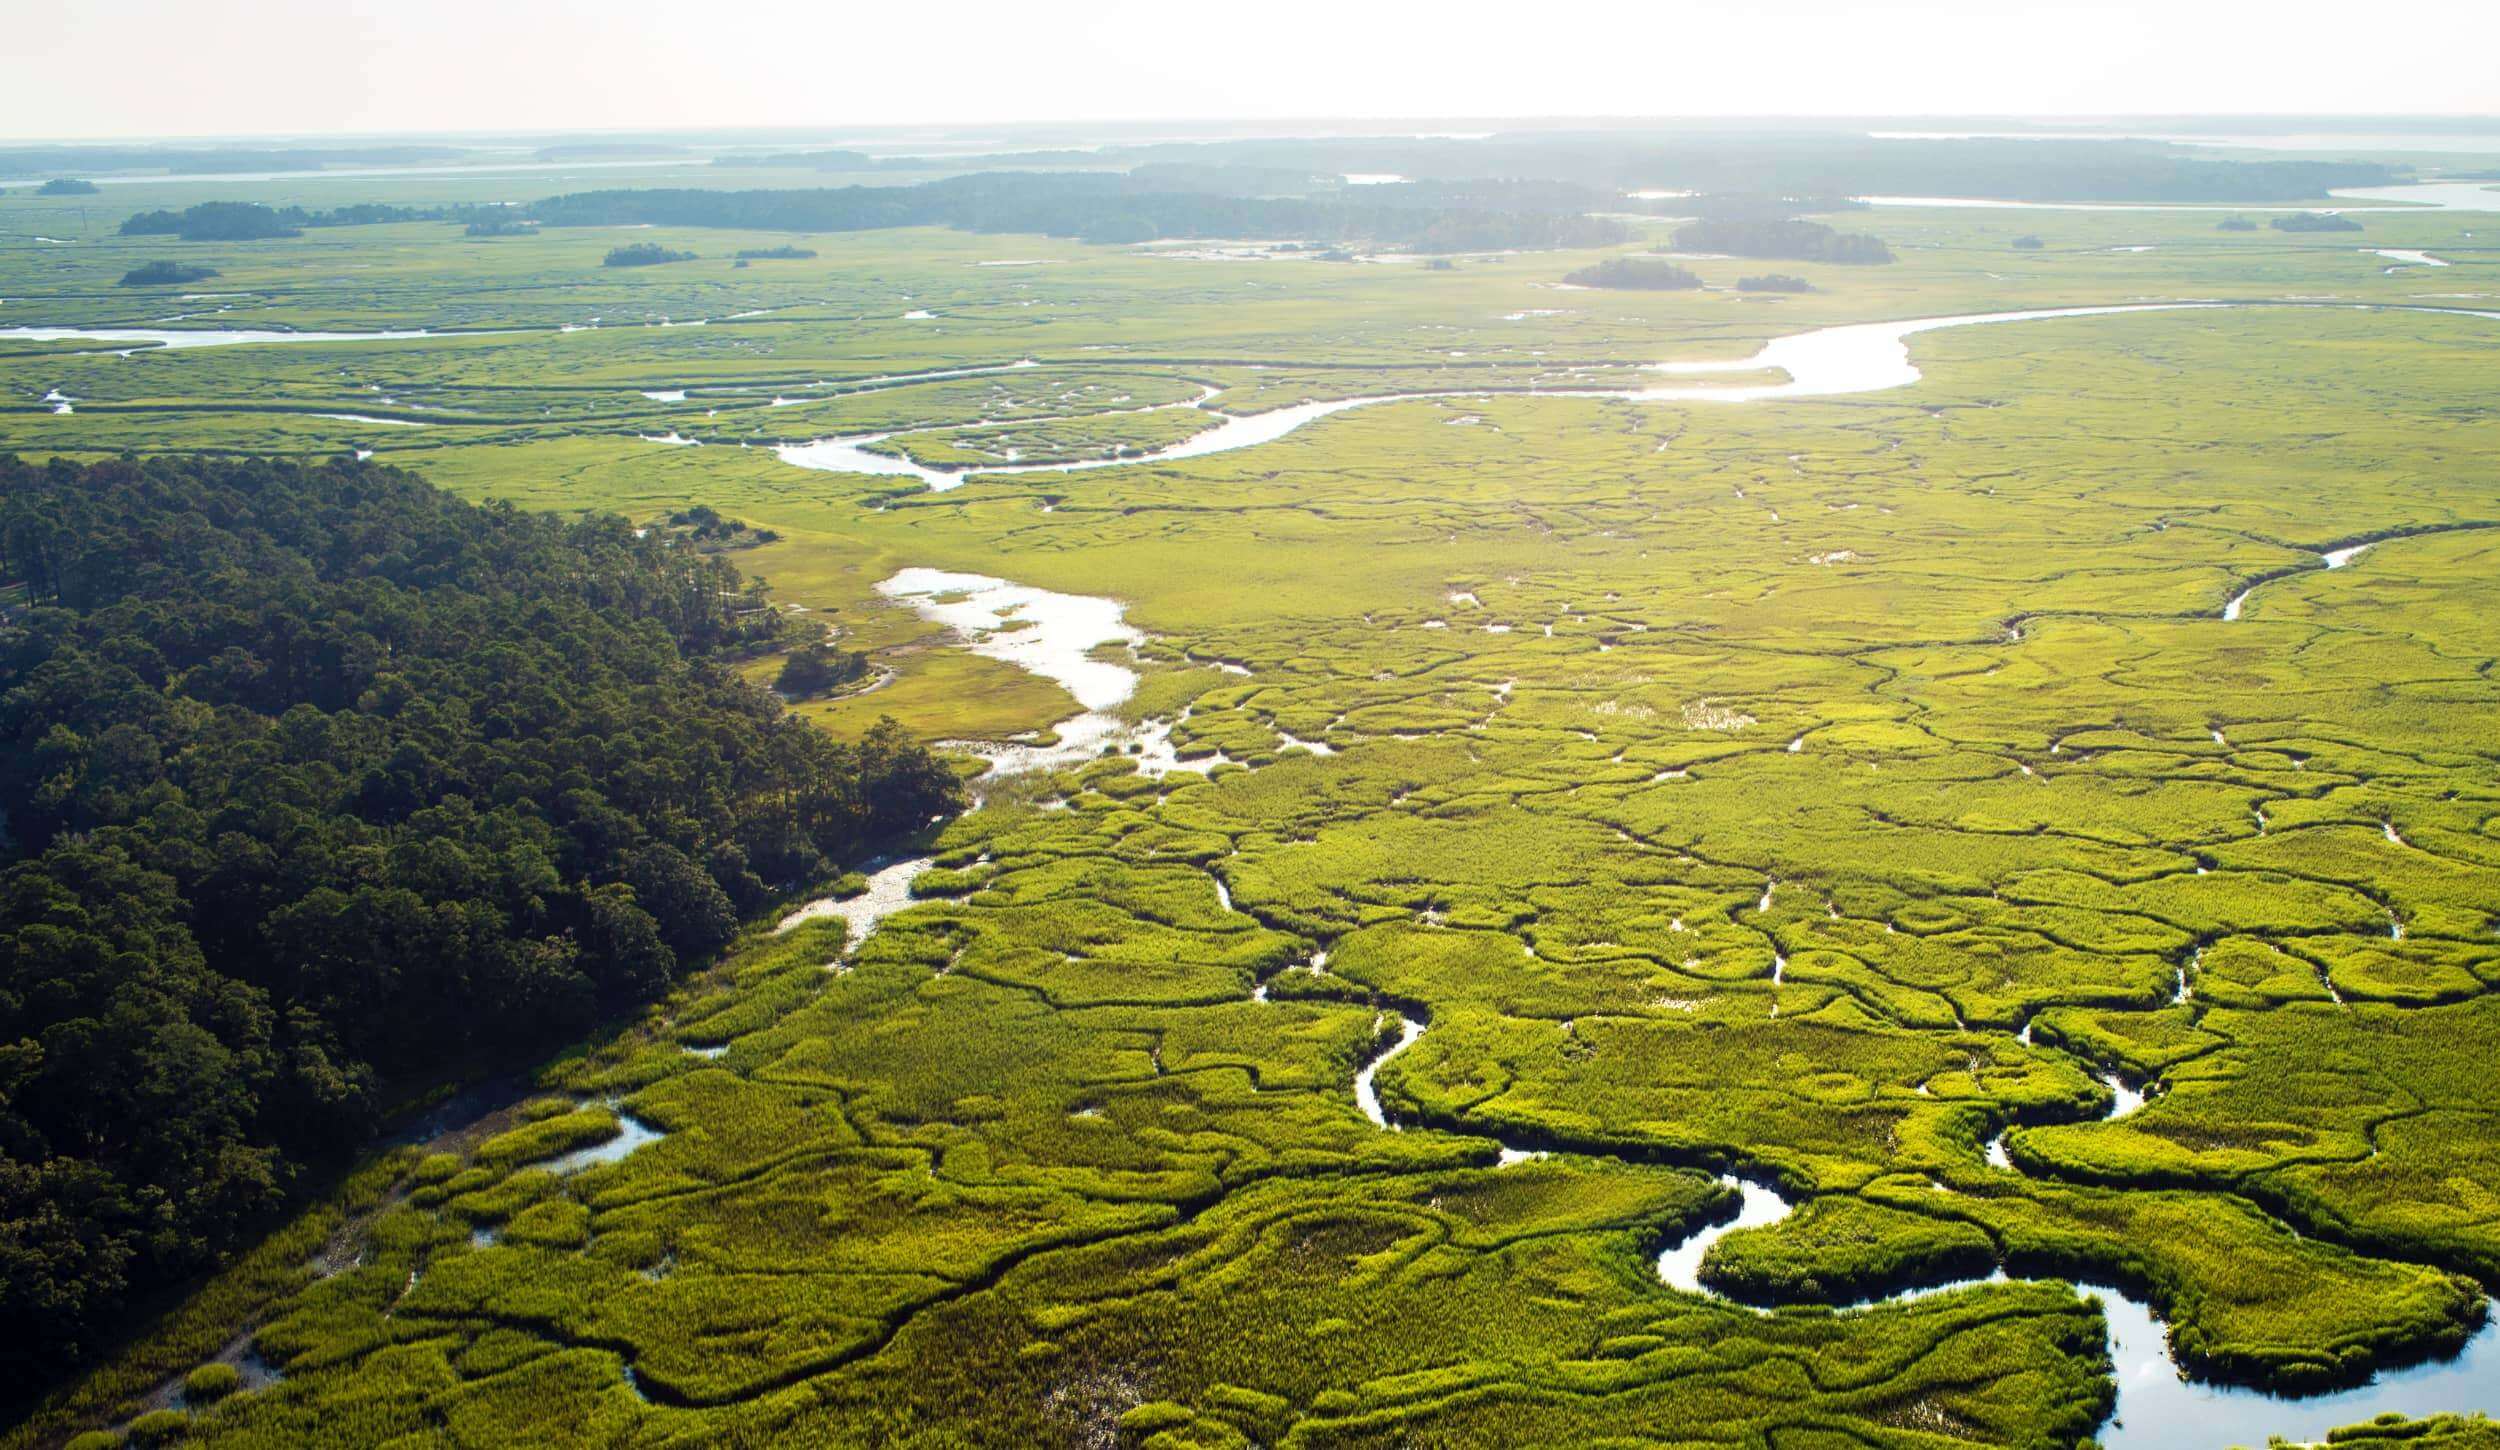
(2158, 1410)
(1053, 635)
(1679, 1265)
(174, 339)
(889, 891)
(2412, 196)
(1828, 362)
(632, 1133)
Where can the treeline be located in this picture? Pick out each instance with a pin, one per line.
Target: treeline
(1472, 194)
(1798, 165)
(250, 221)
(318, 780)
(1092, 207)
(1787, 240)
(1089, 206)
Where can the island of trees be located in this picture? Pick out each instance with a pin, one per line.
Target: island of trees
(2314, 221)
(318, 780)
(1774, 282)
(1645, 274)
(250, 221)
(643, 254)
(67, 186)
(215, 221)
(817, 668)
(164, 274)
(776, 254)
(1780, 239)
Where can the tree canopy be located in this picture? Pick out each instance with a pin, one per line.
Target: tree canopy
(317, 779)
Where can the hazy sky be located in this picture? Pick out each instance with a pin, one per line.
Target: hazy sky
(91, 68)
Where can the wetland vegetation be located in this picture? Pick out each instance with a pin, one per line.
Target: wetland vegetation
(1496, 904)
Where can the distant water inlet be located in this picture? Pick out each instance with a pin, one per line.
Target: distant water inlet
(1828, 362)
(1059, 637)
(1053, 635)
(176, 339)
(888, 891)
(2411, 196)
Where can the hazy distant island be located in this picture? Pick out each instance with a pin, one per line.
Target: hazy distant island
(1781, 239)
(165, 274)
(643, 254)
(1638, 274)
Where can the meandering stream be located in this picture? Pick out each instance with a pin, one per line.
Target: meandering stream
(1056, 636)
(2159, 1408)
(1059, 636)
(176, 339)
(1828, 362)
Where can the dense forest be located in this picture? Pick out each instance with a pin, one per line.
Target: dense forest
(320, 783)
(1093, 207)
(1785, 240)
